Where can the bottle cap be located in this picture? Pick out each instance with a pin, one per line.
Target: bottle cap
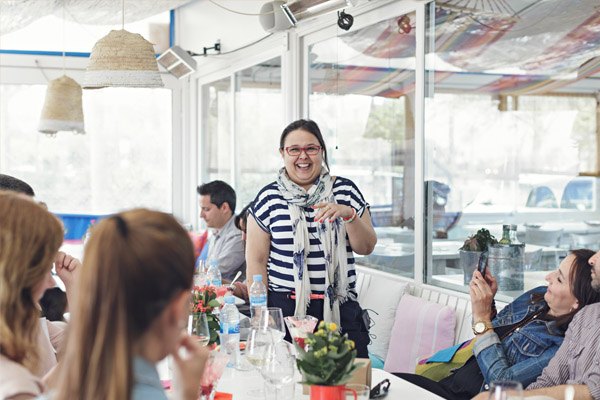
(229, 300)
(257, 278)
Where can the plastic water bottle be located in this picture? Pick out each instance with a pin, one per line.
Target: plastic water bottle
(258, 294)
(230, 330)
(213, 274)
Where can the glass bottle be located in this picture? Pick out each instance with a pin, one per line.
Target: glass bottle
(505, 235)
(513, 235)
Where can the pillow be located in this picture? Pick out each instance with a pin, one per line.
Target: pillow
(420, 329)
(371, 298)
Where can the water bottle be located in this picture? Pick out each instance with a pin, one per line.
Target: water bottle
(213, 274)
(258, 294)
(230, 330)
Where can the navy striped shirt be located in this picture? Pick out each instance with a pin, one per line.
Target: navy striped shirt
(272, 214)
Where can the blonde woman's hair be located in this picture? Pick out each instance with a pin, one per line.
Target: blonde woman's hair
(29, 239)
(135, 263)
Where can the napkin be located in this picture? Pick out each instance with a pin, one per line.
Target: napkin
(223, 396)
(445, 355)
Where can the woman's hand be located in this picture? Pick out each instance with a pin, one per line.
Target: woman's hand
(331, 211)
(66, 267)
(188, 370)
(481, 297)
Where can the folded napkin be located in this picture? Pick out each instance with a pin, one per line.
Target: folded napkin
(223, 396)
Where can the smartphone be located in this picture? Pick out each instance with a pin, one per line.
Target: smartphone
(482, 264)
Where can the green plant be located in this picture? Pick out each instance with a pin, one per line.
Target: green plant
(479, 241)
(327, 358)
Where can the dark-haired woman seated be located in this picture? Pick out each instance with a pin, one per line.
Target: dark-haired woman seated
(518, 342)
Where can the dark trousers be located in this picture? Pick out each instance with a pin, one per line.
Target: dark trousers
(448, 388)
(350, 314)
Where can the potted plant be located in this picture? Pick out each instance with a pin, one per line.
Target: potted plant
(204, 301)
(326, 361)
(471, 251)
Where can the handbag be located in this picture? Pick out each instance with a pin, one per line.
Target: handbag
(441, 364)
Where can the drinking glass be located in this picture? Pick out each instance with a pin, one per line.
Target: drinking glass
(362, 391)
(200, 330)
(270, 318)
(257, 346)
(506, 390)
(300, 327)
(215, 365)
(279, 366)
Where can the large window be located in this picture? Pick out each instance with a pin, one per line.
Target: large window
(511, 137)
(123, 160)
(244, 151)
(362, 97)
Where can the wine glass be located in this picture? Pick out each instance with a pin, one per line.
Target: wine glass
(279, 366)
(506, 390)
(200, 330)
(215, 365)
(270, 318)
(257, 345)
(300, 327)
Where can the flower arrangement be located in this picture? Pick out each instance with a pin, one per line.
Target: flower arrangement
(204, 301)
(325, 357)
(479, 241)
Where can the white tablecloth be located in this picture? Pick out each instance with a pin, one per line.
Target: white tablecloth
(239, 383)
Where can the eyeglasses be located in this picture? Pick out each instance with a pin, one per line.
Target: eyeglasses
(311, 150)
(380, 390)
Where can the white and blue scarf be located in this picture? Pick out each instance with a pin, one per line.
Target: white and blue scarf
(332, 236)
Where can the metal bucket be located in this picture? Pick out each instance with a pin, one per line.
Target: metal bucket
(506, 264)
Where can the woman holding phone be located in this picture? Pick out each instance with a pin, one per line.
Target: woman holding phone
(519, 341)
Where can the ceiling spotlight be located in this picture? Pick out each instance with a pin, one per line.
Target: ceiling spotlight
(345, 21)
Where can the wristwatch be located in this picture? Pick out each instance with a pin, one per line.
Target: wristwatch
(480, 327)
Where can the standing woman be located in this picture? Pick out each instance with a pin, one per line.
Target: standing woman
(302, 233)
(132, 305)
(29, 240)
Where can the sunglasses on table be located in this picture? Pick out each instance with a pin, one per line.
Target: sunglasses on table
(380, 390)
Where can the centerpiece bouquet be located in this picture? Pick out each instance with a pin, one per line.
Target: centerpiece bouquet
(326, 360)
(205, 301)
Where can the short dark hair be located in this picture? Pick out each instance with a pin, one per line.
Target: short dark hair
(13, 184)
(309, 126)
(219, 192)
(54, 304)
(242, 216)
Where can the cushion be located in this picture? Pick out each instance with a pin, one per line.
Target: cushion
(380, 295)
(420, 329)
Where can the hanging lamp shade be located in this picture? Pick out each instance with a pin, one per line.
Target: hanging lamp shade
(123, 59)
(62, 108)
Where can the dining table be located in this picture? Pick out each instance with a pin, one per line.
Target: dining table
(243, 384)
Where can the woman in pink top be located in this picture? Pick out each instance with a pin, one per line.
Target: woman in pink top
(29, 241)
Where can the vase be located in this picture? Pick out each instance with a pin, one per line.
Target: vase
(338, 392)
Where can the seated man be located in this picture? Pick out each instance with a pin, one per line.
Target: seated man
(217, 206)
(577, 361)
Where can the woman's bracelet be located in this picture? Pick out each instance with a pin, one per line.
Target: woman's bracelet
(352, 218)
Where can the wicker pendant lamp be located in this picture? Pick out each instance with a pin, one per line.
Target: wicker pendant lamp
(62, 110)
(122, 59)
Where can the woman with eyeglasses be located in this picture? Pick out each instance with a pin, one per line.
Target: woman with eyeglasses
(302, 233)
